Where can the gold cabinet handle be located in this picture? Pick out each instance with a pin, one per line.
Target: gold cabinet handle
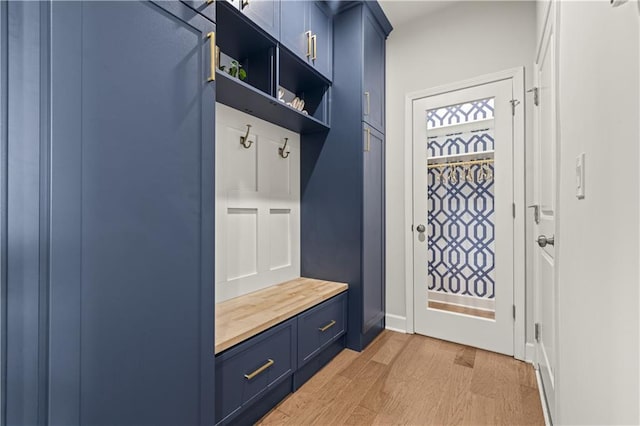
(212, 45)
(367, 146)
(209, 1)
(368, 96)
(308, 34)
(328, 326)
(315, 47)
(268, 364)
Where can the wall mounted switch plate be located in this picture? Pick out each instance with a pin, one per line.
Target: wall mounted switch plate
(580, 163)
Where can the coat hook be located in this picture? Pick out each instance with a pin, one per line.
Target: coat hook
(281, 150)
(244, 139)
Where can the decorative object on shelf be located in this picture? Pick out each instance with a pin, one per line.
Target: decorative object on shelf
(244, 140)
(461, 171)
(281, 150)
(296, 103)
(236, 70)
(281, 95)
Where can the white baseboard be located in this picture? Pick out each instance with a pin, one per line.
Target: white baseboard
(543, 400)
(396, 323)
(530, 353)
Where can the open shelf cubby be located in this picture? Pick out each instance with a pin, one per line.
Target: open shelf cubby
(304, 82)
(239, 40)
(269, 66)
(244, 97)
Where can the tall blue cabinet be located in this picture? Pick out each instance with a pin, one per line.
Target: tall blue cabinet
(120, 162)
(107, 128)
(342, 199)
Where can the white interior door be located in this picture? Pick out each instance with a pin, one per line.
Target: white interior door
(463, 220)
(545, 184)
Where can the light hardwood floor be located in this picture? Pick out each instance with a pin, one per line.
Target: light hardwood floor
(415, 380)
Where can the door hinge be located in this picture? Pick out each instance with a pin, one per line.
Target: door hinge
(536, 331)
(514, 104)
(411, 228)
(513, 210)
(514, 312)
(536, 95)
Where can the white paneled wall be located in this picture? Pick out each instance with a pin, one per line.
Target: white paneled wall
(257, 205)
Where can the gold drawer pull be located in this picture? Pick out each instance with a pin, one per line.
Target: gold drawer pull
(328, 326)
(268, 364)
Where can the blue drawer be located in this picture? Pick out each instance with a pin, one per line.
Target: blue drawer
(320, 326)
(246, 371)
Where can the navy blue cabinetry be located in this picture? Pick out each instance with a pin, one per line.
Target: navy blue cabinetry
(373, 71)
(253, 376)
(265, 13)
(320, 326)
(293, 34)
(250, 369)
(132, 215)
(205, 7)
(307, 31)
(373, 238)
(342, 198)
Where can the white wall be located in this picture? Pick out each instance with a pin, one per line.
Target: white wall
(599, 112)
(462, 41)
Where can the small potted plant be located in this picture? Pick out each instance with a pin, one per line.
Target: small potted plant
(236, 70)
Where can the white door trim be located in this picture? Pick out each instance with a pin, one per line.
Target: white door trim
(517, 75)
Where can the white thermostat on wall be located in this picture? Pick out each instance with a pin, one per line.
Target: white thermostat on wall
(580, 176)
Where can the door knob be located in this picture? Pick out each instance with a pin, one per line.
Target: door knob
(420, 228)
(543, 241)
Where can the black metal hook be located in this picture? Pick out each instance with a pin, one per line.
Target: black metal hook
(281, 150)
(244, 139)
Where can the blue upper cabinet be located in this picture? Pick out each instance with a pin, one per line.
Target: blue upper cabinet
(264, 13)
(131, 302)
(206, 8)
(374, 66)
(321, 28)
(294, 34)
(307, 30)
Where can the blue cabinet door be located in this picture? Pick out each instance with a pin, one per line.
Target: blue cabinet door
(293, 31)
(265, 13)
(132, 215)
(206, 7)
(321, 26)
(374, 63)
(373, 286)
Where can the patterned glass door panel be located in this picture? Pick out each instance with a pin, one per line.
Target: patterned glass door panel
(460, 203)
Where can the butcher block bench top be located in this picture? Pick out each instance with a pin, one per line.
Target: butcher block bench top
(243, 317)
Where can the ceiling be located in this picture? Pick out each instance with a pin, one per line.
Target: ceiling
(403, 11)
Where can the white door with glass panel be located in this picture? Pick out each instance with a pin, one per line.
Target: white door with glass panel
(463, 221)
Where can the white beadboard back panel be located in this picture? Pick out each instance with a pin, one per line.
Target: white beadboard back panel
(257, 205)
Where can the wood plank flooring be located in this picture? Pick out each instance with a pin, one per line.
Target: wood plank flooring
(415, 380)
